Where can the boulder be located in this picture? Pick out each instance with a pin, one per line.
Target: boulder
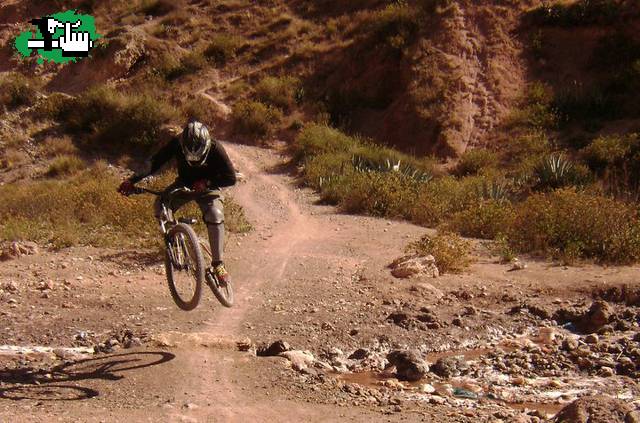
(415, 266)
(409, 365)
(597, 409)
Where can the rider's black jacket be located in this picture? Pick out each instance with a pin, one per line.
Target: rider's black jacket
(217, 169)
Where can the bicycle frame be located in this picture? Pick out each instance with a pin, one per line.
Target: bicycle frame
(167, 221)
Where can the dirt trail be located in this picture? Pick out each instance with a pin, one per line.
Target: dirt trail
(208, 379)
(305, 274)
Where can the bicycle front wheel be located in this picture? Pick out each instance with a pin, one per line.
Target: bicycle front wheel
(185, 266)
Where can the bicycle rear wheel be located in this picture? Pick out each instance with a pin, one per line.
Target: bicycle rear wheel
(223, 292)
(185, 266)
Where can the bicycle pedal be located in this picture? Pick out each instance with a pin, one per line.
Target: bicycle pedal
(188, 220)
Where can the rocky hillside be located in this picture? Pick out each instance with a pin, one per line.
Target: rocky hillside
(430, 77)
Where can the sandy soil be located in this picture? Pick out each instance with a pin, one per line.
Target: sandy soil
(317, 280)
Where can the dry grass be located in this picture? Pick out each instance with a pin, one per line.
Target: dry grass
(86, 210)
(117, 120)
(65, 165)
(11, 159)
(222, 48)
(52, 147)
(282, 92)
(16, 90)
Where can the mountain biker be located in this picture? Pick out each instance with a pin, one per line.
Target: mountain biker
(203, 166)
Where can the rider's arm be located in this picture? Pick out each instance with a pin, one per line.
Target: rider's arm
(159, 159)
(225, 173)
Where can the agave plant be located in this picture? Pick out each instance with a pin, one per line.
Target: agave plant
(361, 164)
(554, 172)
(494, 190)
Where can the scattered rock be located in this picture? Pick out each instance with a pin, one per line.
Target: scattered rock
(607, 372)
(535, 310)
(244, 345)
(359, 354)
(276, 348)
(427, 388)
(596, 409)
(595, 318)
(570, 344)
(591, 339)
(464, 393)
(132, 342)
(414, 266)
(518, 265)
(405, 321)
(10, 286)
(18, 249)
(447, 367)
(619, 294)
(409, 365)
(299, 359)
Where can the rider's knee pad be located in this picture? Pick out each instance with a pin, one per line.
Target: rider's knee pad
(213, 216)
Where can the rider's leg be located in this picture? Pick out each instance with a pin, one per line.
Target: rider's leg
(213, 216)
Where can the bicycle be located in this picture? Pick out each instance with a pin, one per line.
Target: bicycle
(186, 253)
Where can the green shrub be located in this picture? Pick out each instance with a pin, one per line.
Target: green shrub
(442, 197)
(222, 48)
(609, 151)
(116, 119)
(315, 140)
(199, 108)
(579, 225)
(503, 249)
(278, 91)
(378, 194)
(451, 252)
(16, 91)
(486, 220)
(65, 165)
(396, 25)
(254, 119)
(171, 68)
(536, 110)
(474, 161)
(616, 160)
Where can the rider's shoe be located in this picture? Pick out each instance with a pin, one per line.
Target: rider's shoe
(221, 273)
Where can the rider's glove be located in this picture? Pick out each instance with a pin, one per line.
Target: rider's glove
(126, 188)
(200, 185)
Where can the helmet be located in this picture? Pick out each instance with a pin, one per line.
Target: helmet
(195, 143)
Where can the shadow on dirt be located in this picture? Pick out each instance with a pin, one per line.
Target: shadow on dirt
(145, 258)
(52, 384)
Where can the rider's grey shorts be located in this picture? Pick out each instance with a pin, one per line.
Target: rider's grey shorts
(210, 203)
